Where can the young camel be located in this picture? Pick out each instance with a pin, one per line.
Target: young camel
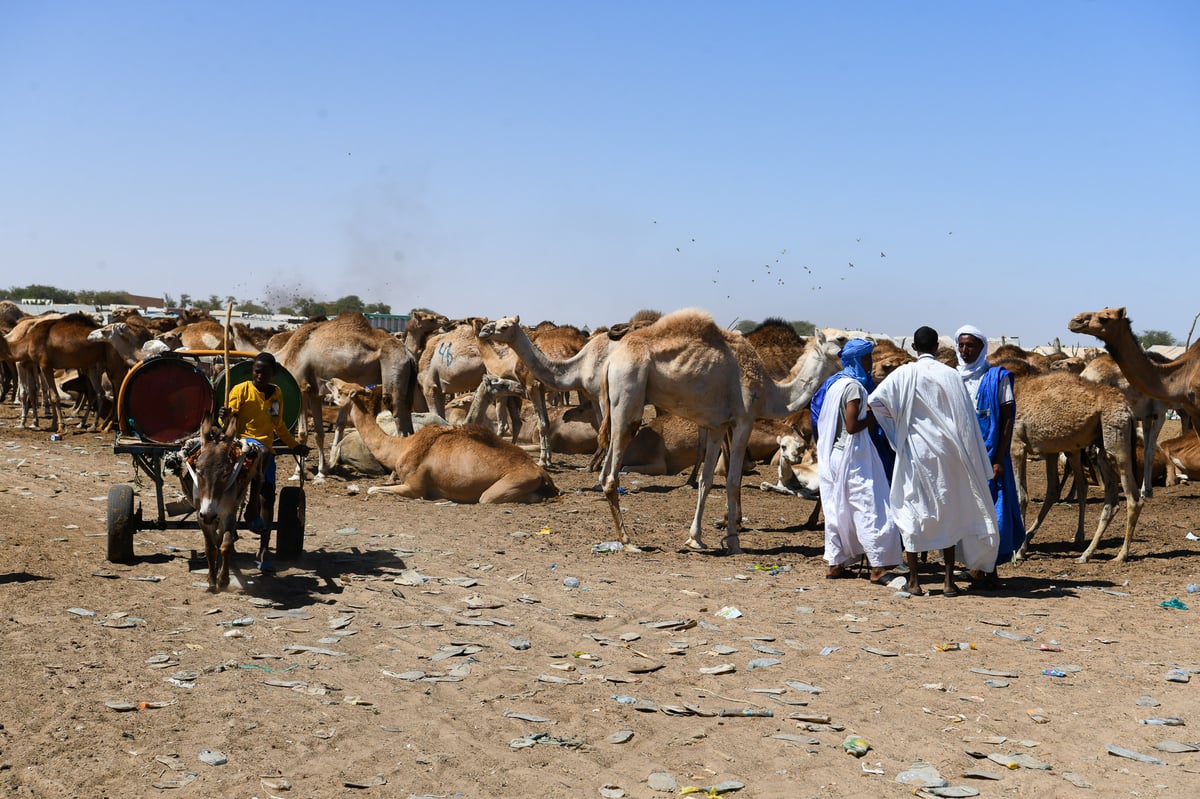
(218, 477)
(686, 364)
(1060, 412)
(464, 464)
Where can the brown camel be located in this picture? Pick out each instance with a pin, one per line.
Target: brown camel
(348, 347)
(1059, 412)
(1176, 382)
(463, 464)
(1182, 457)
(351, 452)
(778, 344)
(1151, 413)
(209, 334)
(686, 364)
(557, 357)
(53, 342)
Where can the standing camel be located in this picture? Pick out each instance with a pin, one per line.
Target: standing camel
(1059, 412)
(348, 347)
(1151, 413)
(1176, 382)
(686, 364)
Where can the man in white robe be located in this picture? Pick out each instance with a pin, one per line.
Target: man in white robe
(854, 483)
(939, 495)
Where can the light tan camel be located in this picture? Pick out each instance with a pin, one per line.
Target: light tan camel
(1176, 382)
(453, 363)
(353, 454)
(1151, 413)
(209, 334)
(463, 464)
(348, 347)
(555, 357)
(1182, 457)
(686, 364)
(1059, 412)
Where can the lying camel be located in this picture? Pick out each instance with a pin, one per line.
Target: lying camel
(463, 464)
(1182, 457)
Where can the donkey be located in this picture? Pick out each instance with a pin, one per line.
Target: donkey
(221, 472)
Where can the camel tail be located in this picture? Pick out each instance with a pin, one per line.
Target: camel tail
(604, 434)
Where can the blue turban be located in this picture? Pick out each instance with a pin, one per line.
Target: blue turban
(851, 354)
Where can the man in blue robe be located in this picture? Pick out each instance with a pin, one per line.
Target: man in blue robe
(991, 389)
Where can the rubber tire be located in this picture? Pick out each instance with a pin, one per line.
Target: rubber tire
(289, 537)
(121, 524)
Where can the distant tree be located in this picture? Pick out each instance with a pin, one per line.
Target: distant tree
(377, 307)
(40, 292)
(185, 300)
(308, 308)
(350, 302)
(1149, 338)
(92, 297)
(252, 307)
(804, 328)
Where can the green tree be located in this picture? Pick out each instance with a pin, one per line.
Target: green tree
(308, 307)
(168, 301)
(1149, 338)
(377, 307)
(252, 307)
(351, 302)
(39, 292)
(185, 300)
(802, 327)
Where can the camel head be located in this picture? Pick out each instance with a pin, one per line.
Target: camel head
(503, 329)
(1105, 324)
(342, 392)
(495, 386)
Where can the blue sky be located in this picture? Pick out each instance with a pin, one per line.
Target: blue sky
(871, 165)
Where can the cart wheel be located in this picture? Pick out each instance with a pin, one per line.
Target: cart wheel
(289, 543)
(121, 524)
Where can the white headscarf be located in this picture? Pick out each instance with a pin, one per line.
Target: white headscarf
(972, 370)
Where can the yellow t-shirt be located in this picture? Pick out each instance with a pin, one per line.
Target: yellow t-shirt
(260, 417)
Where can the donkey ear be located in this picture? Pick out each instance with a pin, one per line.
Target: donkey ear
(231, 427)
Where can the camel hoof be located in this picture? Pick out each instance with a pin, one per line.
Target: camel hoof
(632, 548)
(696, 543)
(1083, 558)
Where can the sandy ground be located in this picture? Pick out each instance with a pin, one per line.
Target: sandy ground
(422, 649)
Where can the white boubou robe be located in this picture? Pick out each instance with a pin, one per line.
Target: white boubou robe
(939, 495)
(854, 487)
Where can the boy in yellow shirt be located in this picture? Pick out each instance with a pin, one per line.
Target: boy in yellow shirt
(257, 404)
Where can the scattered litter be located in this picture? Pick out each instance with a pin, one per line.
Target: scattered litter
(314, 649)
(1076, 779)
(1011, 636)
(508, 714)
(1038, 716)
(1170, 721)
(1176, 747)
(1011, 675)
(120, 706)
(212, 757)
(1174, 603)
(799, 739)
(520, 644)
(535, 738)
(1192, 537)
(724, 668)
(728, 612)
(1145, 700)
(81, 611)
(369, 782)
(804, 687)
(763, 663)
(1132, 755)
(746, 711)
(1178, 675)
(607, 546)
(980, 774)
(662, 781)
(828, 650)
(856, 745)
(953, 791)
(610, 791)
(1054, 673)
(620, 736)
(921, 775)
(883, 653)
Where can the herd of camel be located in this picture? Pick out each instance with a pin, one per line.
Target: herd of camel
(719, 399)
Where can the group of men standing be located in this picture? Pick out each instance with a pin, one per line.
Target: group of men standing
(919, 462)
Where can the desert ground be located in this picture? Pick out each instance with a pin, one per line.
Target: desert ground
(423, 649)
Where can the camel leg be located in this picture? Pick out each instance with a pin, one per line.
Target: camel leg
(314, 408)
(399, 490)
(1052, 489)
(703, 486)
(812, 517)
(735, 460)
(610, 473)
(1133, 504)
(506, 490)
(537, 395)
(1081, 491)
(1151, 427)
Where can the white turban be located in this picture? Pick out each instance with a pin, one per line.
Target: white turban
(981, 364)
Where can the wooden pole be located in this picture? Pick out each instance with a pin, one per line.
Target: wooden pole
(228, 314)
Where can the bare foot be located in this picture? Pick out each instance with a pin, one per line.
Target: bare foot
(950, 590)
(915, 589)
(877, 574)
